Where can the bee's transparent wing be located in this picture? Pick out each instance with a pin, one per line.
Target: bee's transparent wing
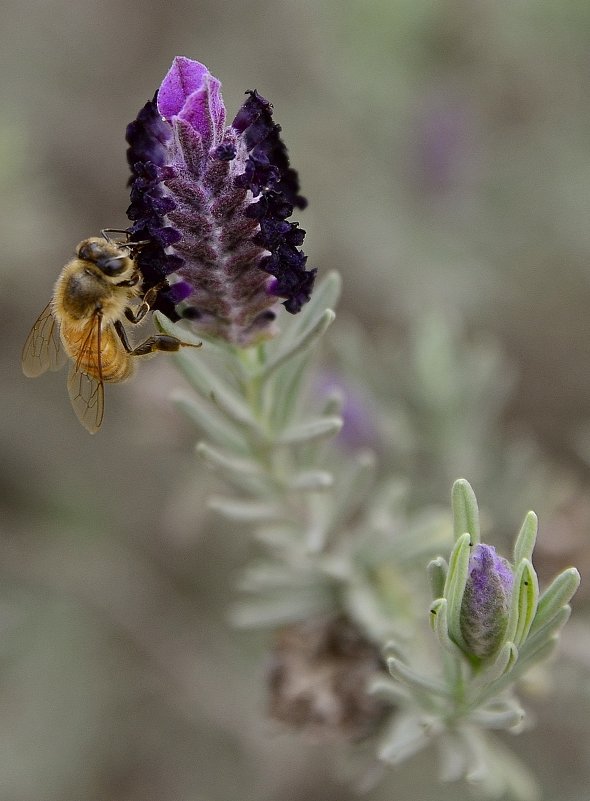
(86, 391)
(43, 350)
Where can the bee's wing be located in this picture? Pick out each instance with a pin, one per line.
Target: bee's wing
(87, 391)
(43, 350)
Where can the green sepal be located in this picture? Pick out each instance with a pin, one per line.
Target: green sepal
(455, 586)
(465, 511)
(525, 542)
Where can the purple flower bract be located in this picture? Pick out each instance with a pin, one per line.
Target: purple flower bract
(212, 202)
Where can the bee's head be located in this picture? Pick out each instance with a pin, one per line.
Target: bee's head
(111, 259)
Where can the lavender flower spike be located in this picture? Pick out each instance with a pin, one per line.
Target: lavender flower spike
(486, 601)
(213, 202)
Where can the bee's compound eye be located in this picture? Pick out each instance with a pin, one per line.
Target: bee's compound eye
(90, 251)
(113, 266)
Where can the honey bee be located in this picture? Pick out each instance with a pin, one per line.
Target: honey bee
(83, 322)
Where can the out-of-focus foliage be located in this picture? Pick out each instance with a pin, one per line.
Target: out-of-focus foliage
(443, 147)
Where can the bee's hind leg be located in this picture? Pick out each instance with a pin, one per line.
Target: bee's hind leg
(162, 342)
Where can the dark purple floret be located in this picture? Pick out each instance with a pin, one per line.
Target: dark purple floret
(486, 601)
(213, 202)
(147, 137)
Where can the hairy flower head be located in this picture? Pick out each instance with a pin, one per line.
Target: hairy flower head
(486, 601)
(213, 203)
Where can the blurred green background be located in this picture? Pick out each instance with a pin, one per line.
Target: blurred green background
(444, 149)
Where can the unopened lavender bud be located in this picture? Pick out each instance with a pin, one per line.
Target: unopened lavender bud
(213, 202)
(486, 601)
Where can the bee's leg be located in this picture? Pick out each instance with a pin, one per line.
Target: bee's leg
(161, 342)
(120, 329)
(106, 231)
(136, 315)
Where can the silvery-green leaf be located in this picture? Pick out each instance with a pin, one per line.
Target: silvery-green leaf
(245, 511)
(281, 608)
(210, 422)
(310, 431)
(439, 623)
(437, 576)
(499, 715)
(503, 662)
(301, 343)
(465, 511)
(408, 734)
(528, 589)
(525, 542)
(455, 586)
(415, 681)
(312, 481)
(325, 296)
(550, 628)
(525, 593)
(388, 690)
(559, 593)
(353, 485)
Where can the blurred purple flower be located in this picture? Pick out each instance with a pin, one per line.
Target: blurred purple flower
(359, 423)
(441, 145)
(213, 203)
(486, 601)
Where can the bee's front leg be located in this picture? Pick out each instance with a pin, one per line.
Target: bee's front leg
(148, 300)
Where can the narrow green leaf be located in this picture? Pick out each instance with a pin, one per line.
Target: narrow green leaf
(354, 483)
(415, 681)
(245, 511)
(210, 422)
(548, 630)
(214, 390)
(505, 716)
(465, 510)
(325, 296)
(528, 601)
(312, 481)
(505, 659)
(310, 431)
(299, 344)
(437, 575)
(440, 626)
(388, 690)
(227, 461)
(558, 594)
(525, 542)
(407, 735)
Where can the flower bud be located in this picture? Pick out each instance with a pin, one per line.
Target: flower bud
(486, 601)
